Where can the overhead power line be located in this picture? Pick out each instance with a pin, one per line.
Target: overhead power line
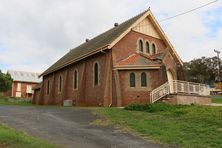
(183, 13)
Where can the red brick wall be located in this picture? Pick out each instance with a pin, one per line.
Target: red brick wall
(87, 94)
(23, 89)
(170, 64)
(108, 91)
(122, 50)
(138, 94)
(128, 45)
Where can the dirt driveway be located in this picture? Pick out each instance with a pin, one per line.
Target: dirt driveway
(68, 127)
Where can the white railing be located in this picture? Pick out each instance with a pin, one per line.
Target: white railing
(179, 87)
(160, 92)
(190, 88)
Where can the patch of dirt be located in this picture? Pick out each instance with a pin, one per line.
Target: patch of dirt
(101, 122)
(219, 129)
(3, 146)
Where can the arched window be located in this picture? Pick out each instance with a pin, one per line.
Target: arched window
(154, 48)
(147, 47)
(132, 80)
(48, 87)
(96, 74)
(140, 45)
(143, 80)
(75, 79)
(60, 84)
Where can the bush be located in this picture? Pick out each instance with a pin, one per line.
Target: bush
(156, 107)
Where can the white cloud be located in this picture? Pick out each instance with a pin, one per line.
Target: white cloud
(34, 34)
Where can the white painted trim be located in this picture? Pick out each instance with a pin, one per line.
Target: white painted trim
(19, 86)
(135, 67)
(159, 30)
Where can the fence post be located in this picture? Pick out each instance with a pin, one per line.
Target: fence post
(188, 88)
(175, 83)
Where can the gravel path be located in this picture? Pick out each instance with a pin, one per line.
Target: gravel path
(68, 127)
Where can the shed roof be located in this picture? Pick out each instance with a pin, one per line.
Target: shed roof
(23, 76)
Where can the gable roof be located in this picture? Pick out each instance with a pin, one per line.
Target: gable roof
(22, 76)
(104, 41)
(100, 42)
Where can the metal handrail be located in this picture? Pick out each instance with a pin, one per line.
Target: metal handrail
(178, 86)
(160, 92)
(190, 88)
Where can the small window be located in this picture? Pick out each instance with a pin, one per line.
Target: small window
(143, 80)
(60, 84)
(48, 87)
(140, 45)
(147, 47)
(29, 89)
(154, 48)
(75, 79)
(96, 74)
(19, 86)
(132, 80)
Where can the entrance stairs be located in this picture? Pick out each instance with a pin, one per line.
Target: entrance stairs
(181, 88)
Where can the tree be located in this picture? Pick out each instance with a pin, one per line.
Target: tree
(5, 82)
(202, 70)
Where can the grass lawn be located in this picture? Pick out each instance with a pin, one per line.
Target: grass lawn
(217, 99)
(185, 126)
(14, 101)
(11, 138)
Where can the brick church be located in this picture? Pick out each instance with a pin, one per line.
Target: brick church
(118, 67)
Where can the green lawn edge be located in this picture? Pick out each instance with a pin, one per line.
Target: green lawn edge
(12, 138)
(190, 126)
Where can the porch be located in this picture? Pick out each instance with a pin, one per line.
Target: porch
(182, 92)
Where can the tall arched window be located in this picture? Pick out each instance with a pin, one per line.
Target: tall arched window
(143, 80)
(48, 87)
(147, 47)
(140, 45)
(60, 84)
(96, 74)
(132, 80)
(154, 48)
(75, 79)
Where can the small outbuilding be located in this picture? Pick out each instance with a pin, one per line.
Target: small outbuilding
(23, 83)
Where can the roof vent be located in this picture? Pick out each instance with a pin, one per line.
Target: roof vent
(87, 40)
(116, 24)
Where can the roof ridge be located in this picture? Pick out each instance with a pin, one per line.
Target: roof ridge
(10, 70)
(102, 40)
(90, 40)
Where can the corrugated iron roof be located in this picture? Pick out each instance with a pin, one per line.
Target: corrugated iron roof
(96, 43)
(23, 76)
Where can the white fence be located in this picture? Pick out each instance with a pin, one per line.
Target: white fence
(179, 87)
(190, 88)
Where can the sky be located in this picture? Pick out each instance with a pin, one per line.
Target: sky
(35, 34)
